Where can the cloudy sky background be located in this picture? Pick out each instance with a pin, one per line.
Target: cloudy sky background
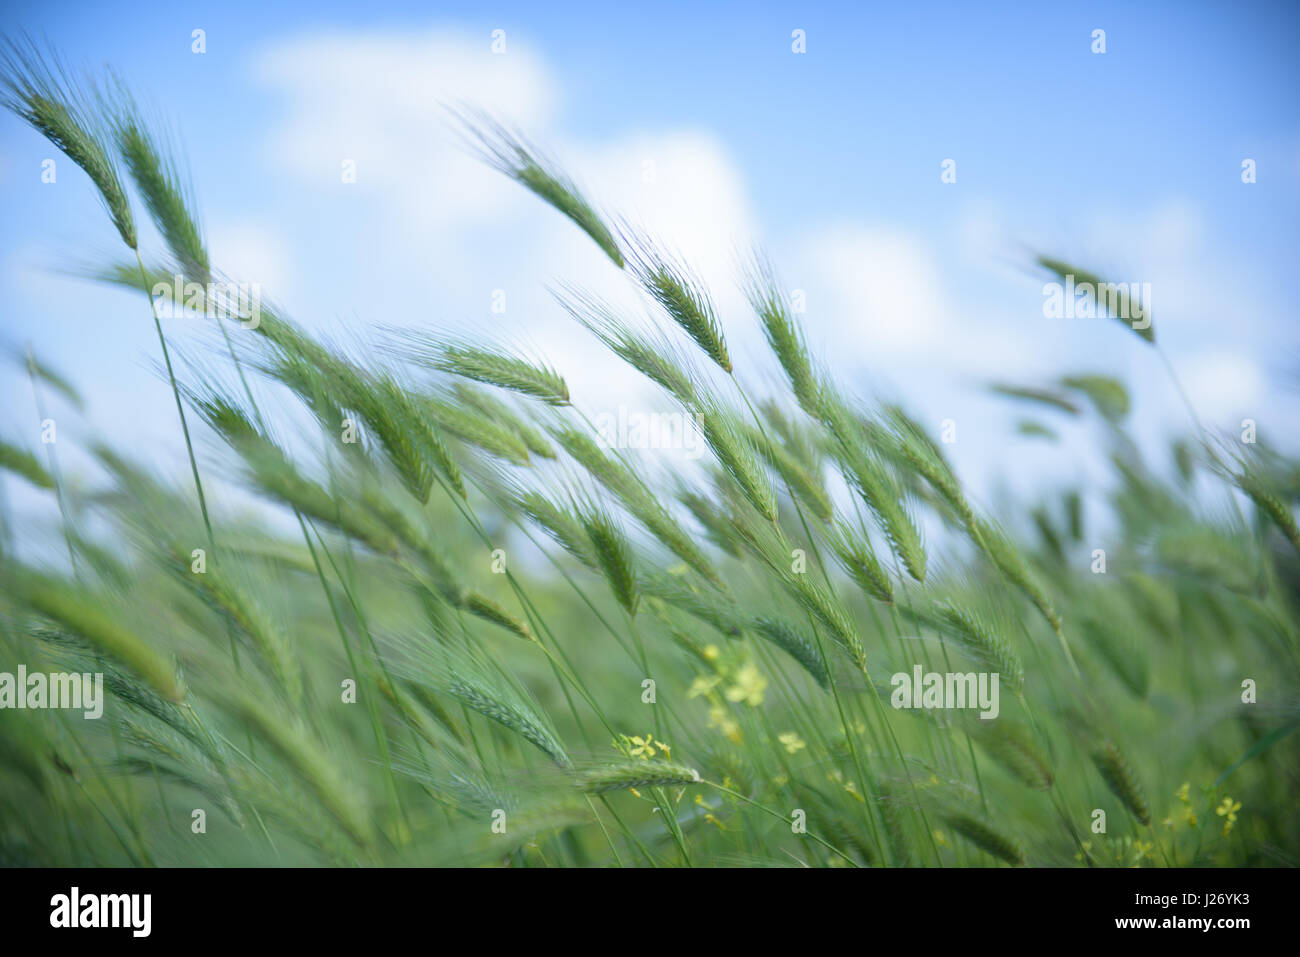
(1128, 163)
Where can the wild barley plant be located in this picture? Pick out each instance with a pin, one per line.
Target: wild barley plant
(696, 654)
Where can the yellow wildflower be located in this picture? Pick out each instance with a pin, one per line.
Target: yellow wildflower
(702, 685)
(749, 686)
(793, 743)
(644, 747)
(1188, 814)
(1228, 811)
(718, 718)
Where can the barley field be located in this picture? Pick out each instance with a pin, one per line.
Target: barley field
(446, 623)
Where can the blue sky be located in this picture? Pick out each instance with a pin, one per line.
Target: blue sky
(1128, 162)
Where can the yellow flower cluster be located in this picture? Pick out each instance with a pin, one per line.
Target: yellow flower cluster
(1228, 811)
(1128, 852)
(735, 685)
(792, 742)
(644, 748)
(1189, 816)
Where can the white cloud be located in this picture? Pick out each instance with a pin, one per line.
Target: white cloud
(255, 253)
(683, 188)
(884, 296)
(883, 291)
(435, 212)
(1222, 384)
(380, 100)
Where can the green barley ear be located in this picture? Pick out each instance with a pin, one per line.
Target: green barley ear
(635, 774)
(486, 691)
(1011, 745)
(272, 472)
(294, 745)
(312, 386)
(868, 475)
(804, 482)
(671, 284)
(21, 462)
(40, 370)
(498, 368)
(892, 813)
(1063, 269)
(84, 616)
(1074, 514)
(797, 645)
(170, 753)
(715, 525)
(1107, 395)
(1260, 490)
(493, 408)
(985, 836)
(766, 543)
(717, 612)
(768, 300)
(475, 429)
(1185, 460)
(223, 589)
(327, 383)
(411, 440)
(1004, 554)
(1127, 658)
(823, 604)
(1031, 429)
(637, 498)
(654, 356)
(561, 524)
(919, 451)
(859, 560)
(485, 608)
(1027, 393)
(442, 582)
(605, 469)
(800, 440)
(37, 89)
(883, 495)
(981, 639)
(510, 154)
(613, 554)
(166, 194)
(738, 457)
(1120, 779)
